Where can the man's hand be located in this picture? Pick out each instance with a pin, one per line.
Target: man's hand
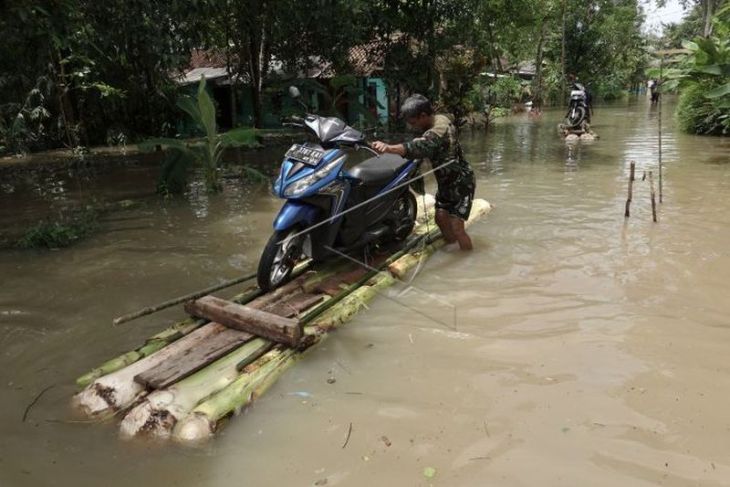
(380, 147)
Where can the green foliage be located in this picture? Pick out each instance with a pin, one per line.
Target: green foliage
(338, 91)
(206, 153)
(703, 76)
(698, 114)
(505, 91)
(110, 64)
(62, 233)
(459, 67)
(604, 45)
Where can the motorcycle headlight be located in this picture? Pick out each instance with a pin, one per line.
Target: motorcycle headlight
(300, 186)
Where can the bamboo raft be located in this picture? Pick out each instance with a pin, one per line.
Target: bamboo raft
(574, 134)
(181, 383)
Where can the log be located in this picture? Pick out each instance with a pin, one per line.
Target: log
(157, 414)
(201, 423)
(118, 390)
(276, 328)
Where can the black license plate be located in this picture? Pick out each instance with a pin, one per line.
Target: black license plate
(307, 155)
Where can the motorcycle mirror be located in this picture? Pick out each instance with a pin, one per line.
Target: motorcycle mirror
(294, 92)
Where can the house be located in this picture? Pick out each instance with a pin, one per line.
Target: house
(322, 89)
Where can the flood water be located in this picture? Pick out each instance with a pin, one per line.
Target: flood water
(586, 349)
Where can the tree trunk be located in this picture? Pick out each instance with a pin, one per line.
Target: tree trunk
(258, 54)
(562, 56)
(537, 101)
(709, 7)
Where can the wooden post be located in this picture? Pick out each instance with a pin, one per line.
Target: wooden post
(653, 197)
(659, 117)
(627, 213)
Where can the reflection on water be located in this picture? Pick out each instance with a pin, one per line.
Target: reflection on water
(588, 350)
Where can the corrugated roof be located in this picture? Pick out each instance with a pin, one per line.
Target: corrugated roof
(194, 75)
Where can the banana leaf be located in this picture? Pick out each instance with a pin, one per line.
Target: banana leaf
(719, 91)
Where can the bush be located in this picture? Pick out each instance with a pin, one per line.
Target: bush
(505, 91)
(56, 234)
(698, 114)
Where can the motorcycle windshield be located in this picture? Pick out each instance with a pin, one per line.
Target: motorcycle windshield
(332, 129)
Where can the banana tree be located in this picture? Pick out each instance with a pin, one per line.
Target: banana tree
(206, 152)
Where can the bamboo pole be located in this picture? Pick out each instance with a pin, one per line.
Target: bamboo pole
(659, 118)
(653, 197)
(201, 423)
(627, 212)
(181, 299)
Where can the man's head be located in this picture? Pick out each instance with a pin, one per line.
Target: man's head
(418, 112)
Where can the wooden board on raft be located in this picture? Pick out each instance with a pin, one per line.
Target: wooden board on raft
(189, 361)
(186, 394)
(248, 319)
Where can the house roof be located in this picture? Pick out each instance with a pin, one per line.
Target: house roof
(193, 75)
(212, 66)
(367, 59)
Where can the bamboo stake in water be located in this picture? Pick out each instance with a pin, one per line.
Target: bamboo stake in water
(653, 197)
(661, 65)
(627, 213)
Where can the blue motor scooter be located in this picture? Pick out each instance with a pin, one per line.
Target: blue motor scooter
(330, 206)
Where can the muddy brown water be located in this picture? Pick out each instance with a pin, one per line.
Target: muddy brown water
(586, 349)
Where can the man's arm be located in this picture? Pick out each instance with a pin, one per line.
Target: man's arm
(384, 148)
(425, 147)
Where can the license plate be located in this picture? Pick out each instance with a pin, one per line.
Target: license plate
(307, 155)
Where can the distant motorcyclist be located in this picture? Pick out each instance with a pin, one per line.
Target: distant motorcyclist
(575, 86)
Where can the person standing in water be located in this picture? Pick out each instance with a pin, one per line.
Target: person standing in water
(455, 178)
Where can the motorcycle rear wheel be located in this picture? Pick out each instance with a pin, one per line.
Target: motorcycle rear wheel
(404, 215)
(577, 116)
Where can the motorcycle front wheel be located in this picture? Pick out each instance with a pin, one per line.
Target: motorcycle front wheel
(282, 253)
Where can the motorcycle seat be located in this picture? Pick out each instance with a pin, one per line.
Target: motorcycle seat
(378, 170)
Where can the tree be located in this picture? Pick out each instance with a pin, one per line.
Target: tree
(705, 8)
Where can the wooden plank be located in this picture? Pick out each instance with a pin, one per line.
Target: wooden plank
(191, 360)
(245, 318)
(294, 306)
(224, 339)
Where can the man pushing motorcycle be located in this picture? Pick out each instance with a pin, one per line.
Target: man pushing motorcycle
(439, 144)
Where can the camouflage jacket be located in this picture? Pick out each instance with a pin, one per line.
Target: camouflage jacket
(440, 145)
